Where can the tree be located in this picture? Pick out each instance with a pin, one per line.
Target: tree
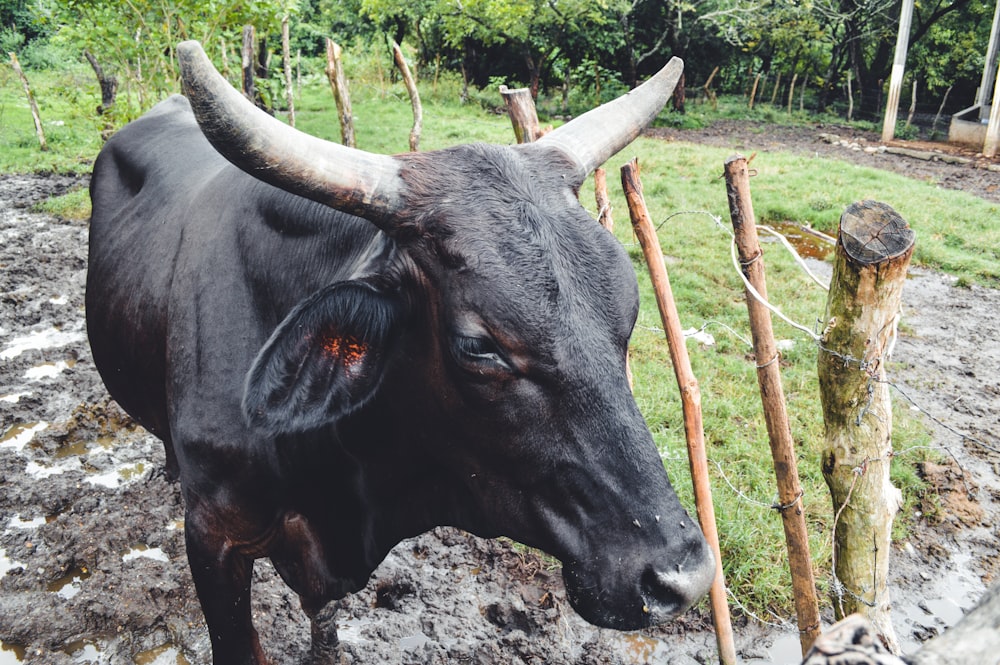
(137, 37)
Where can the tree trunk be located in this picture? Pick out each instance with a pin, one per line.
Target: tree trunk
(680, 95)
(109, 84)
(341, 96)
(39, 132)
(791, 91)
(286, 61)
(873, 253)
(521, 109)
(411, 88)
(753, 91)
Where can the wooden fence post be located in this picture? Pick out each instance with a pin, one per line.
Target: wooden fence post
(690, 399)
(411, 88)
(773, 398)
(338, 83)
(873, 252)
(35, 116)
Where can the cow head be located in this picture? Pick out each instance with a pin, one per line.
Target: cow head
(517, 307)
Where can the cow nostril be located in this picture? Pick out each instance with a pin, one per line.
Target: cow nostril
(663, 592)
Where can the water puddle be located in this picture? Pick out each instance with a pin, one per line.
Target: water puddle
(17, 522)
(48, 370)
(40, 339)
(124, 473)
(145, 552)
(6, 564)
(19, 435)
(68, 586)
(14, 398)
(165, 654)
(11, 654)
(86, 653)
(639, 649)
(807, 242)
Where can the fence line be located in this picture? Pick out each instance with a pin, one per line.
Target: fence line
(869, 367)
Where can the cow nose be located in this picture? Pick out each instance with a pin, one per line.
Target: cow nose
(668, 593)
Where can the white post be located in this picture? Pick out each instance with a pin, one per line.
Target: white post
(898, 67)
(990, 66)
(993, 129)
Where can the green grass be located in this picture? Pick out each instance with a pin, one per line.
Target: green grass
(954, 231)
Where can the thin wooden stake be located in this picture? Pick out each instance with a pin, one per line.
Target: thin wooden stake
(338, 83)
(772, 395)
(690, 401)
(286, 61)
(31, 101)
(522, 112)
(602, 199)
(411, 88)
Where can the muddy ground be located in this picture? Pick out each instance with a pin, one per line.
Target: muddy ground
(92, 563)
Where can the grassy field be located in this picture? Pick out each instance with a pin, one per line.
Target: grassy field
(686, 196)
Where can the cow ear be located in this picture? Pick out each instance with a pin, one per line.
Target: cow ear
(325, 360)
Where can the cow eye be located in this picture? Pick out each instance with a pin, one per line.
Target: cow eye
(480, 353)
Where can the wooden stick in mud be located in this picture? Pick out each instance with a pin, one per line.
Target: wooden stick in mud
(690, 401)
(31, 101)
(773, 398)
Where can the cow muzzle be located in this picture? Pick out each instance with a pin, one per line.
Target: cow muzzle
(628, 593)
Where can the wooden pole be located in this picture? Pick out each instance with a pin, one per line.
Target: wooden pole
(791, 91)
(411, 88)
(873, 252)
(690, 400)
(338, 83)
(109, 84)
(898, 68)
(773, 399)
(521, 109)
(286, 61)
(993, 128)
(35, 116)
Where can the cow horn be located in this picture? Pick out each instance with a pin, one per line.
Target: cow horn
(591, 139)
(351, 180)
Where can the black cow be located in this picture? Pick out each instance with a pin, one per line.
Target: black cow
(341, 350)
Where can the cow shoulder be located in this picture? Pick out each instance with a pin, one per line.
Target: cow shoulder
(325, 360)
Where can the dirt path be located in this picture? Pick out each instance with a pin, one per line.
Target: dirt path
(92, 563)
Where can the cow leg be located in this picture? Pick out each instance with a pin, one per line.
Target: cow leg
(222, 577)
(325, 649)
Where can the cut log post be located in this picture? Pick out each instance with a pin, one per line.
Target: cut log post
(790, 503)
(521, 109)
(873, 252)
(411, 88)
(286, 61)
(35, 116)
(341, 96)
(690, 400)
(109, 84)
(974, 639)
